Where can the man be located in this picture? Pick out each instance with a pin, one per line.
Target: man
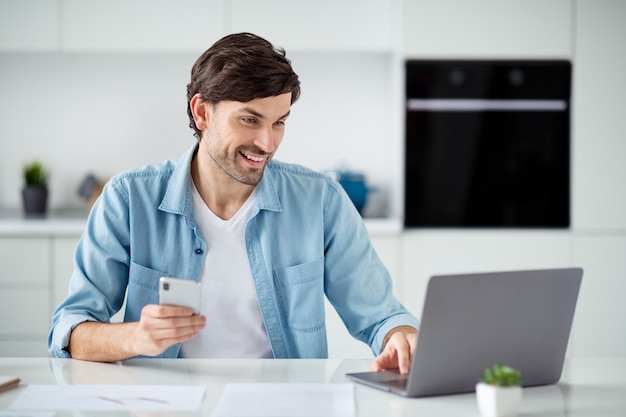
(267, 239)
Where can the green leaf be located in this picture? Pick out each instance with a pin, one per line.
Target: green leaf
(35, 175)
(502, 375)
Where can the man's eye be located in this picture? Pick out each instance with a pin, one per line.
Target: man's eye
(279, 123)
(249, 120)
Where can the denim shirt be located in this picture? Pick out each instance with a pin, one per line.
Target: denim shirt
(305, 240)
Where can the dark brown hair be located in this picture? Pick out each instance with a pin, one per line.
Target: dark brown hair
(241, 67)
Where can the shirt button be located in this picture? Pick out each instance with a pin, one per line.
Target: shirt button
(199, 251)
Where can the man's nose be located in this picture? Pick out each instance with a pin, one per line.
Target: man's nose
(266, 140)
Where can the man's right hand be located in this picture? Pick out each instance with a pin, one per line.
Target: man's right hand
(159, 327)
(162, 326)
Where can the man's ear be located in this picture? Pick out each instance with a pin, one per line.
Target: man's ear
(200, 111)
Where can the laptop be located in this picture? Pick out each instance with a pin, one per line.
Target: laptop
(471, 321)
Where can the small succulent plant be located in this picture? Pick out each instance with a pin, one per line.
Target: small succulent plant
(502, 375)
(35, 175)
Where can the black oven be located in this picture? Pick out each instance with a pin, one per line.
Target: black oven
(487, 144)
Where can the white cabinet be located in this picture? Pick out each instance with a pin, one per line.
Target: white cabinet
(35, 273)
(598, 122)
(421, 28)
(487, 28)
(110, 25)
(598, 194)
(24, 296)
(140, 25)
(29, 25)
(429, 252)
(601, 311)
(322, 25)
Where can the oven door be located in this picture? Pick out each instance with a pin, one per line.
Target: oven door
(495, 153)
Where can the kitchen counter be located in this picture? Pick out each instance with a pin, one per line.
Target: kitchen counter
(71, 222)
(57, 223)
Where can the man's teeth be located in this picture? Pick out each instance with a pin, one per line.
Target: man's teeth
(253, 158)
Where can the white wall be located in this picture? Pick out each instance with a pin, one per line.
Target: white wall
(81, 113)
(108, 112)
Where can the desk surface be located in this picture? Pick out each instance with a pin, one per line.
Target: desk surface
(588, 387)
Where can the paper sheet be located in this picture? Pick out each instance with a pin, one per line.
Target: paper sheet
(110, 397)
(286, 400)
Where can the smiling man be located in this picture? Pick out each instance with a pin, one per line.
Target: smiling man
(267, 240)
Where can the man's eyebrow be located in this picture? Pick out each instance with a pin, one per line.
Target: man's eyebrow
(260, 116)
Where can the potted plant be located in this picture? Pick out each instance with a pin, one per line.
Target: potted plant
(499, 391)
(35, 191)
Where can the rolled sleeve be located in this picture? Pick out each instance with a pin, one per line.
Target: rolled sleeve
(403, 319)
(59, 338)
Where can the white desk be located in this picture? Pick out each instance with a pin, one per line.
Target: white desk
(589, 387)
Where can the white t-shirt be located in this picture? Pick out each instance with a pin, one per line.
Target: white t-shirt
(234, 326)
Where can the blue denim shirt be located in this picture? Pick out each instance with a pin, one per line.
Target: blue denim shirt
(305, 240)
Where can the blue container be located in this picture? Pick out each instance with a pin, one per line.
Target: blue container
(356, 188)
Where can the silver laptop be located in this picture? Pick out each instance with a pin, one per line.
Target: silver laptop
(471, 321)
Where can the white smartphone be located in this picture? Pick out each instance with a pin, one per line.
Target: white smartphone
(181, 292)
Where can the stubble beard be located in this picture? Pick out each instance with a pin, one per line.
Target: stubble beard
(228, 164)
(231, 164)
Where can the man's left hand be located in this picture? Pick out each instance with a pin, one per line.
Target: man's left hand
(398, 350)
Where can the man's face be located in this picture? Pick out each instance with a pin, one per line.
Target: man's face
(241, 138)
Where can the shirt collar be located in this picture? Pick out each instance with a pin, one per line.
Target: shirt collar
(178, 197)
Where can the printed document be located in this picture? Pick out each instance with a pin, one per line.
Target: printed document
(286, 400)
(110, 397)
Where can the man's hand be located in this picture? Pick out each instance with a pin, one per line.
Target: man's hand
(159, 327)
(397, 351)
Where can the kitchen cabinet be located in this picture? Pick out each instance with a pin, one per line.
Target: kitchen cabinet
(323, 25)
(431, 252)
(598, 123)
(34, 280)
(193, 25)
(24, 296)
(487, 29)
(29, 25)
(599, 321)
(140, 25)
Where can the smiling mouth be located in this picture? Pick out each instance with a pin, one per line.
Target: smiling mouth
(253, 158)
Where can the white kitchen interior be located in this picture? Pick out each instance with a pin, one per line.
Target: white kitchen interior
(98, 86)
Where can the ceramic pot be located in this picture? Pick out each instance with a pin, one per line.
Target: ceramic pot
(355, 186)
(495, 401)
(35, 201)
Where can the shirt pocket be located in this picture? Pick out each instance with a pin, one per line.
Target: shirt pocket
(143, 289)
(301, 295)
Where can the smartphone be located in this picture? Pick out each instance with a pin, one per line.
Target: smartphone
(181, 292)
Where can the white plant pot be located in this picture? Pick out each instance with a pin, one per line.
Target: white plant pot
(494, 401)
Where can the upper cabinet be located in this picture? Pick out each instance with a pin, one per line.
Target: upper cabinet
(487, 29)
(417, 28)
(140, 25)
(321, 25)
(193, 25)
(598, 122)
(110, 25)
(29, 25)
